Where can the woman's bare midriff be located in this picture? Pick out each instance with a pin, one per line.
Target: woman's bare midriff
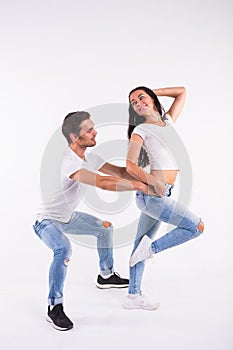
(168, 176)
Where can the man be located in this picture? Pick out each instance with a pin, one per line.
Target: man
(58, 215)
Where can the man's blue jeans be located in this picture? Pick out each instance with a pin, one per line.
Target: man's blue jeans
(52, 233)
(154, 211)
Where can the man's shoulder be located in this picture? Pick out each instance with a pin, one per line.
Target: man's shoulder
(71, 162)
(94, 161)
(71, 156)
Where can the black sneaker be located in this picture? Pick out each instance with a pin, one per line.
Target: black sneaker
(114, 281)
(58, 318)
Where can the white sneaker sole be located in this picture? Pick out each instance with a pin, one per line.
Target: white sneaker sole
(108, 286)
(55, 326)
(141, 307)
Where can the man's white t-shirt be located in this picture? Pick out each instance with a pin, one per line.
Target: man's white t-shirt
(62, 196)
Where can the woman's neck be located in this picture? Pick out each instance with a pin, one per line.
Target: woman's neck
(154, 118)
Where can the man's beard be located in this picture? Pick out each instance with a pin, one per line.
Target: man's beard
(91, 144)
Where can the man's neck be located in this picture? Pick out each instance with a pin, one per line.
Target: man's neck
(80, 151)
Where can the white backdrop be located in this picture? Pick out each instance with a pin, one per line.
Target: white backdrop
(62, 56)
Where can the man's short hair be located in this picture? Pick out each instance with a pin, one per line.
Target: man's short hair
(72, 124)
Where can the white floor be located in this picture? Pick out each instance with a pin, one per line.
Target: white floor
(194, 289)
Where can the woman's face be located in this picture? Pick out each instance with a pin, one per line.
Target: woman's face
(141, 102)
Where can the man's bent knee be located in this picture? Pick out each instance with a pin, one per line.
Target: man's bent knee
(106, 224)
(200, 227)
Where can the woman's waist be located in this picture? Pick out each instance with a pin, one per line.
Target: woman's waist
(167, 176)
(167, 192)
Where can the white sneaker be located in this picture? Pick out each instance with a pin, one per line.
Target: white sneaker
(139, 301)
(142, 252)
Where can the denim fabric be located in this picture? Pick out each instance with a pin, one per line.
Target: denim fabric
(52, 233)
(155, 210)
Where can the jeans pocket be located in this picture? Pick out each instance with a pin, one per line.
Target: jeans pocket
(140, 202)
(39, 226)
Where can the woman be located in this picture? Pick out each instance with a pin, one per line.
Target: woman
(149, 126)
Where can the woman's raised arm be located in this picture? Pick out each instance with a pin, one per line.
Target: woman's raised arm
(179, 95)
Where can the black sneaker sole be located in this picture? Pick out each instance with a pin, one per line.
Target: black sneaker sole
(57, 327)
(108, 286)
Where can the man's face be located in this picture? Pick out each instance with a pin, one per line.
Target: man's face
(87, 134)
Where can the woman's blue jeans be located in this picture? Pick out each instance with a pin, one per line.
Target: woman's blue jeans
(52, 233)
(154, 211)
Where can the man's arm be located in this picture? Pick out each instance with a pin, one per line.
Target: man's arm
(109, 183)
(115, 170)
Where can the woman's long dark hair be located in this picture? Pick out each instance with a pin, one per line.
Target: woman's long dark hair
(135, 119)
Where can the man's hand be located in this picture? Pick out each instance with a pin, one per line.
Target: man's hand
(149, 190)
(159, 187)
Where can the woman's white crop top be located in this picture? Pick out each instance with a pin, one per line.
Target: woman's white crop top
(159, 143)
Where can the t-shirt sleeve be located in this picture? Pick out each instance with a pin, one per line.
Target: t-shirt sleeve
(139, 131)
(94, 162)
(70, 165)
